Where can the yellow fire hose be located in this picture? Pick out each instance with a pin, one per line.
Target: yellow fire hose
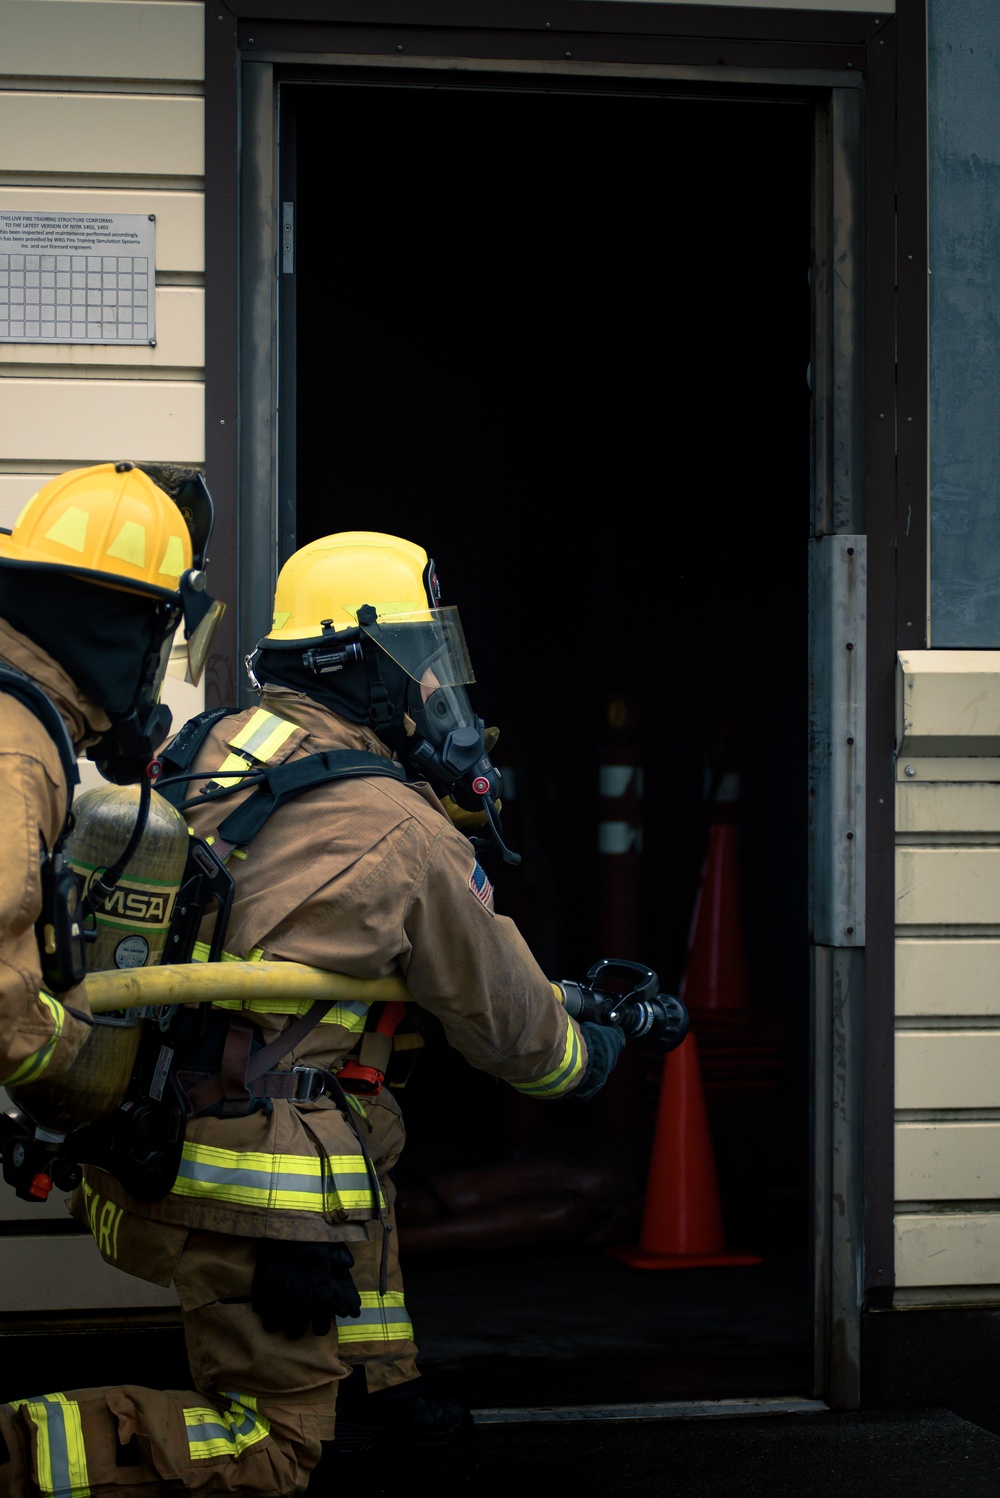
(214, 982)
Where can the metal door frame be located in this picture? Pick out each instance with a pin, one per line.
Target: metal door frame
(867, 75)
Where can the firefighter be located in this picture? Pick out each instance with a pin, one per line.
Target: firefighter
(94, 579)
(278, 1232)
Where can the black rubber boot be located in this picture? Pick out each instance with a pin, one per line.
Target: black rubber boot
(407, 1414)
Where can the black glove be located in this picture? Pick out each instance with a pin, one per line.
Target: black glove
(295, 1284)
(605, 1044)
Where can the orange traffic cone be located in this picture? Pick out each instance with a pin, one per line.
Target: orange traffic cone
(682, 1216)
(715, 973)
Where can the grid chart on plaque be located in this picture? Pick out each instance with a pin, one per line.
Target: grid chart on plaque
(93, 298)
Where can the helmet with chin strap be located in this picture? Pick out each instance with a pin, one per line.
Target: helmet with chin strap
(359, 626)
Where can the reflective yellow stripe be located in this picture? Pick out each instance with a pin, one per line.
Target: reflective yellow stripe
(565, 1074)
(291, 1183)
(33, 1066)
(61, 1458)
(259, 739)
(383, 1319)
(231, 1432)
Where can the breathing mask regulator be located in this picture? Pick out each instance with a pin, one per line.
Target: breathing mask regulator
(359, 627)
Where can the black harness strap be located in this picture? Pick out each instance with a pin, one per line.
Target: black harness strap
(281, 783)
(18, 685)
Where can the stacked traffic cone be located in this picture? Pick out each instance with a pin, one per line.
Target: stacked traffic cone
(682, 1216)
(715, 972)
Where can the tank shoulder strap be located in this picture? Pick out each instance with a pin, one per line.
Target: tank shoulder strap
(16, 684)
(282, 783)
(180, 753)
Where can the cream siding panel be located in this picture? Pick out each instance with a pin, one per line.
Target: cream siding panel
(948, 1069)
(180, 340)
(948, 1161)
(180, 216)
(954, 1248)
(89, 421)
(949, 702)
(67, 1273)
(15, 491)
(935, 977)
(948, 886)
(154, 135)
(121, 39)
(972, 807)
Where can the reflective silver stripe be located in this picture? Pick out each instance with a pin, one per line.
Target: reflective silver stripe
(383, 1319)
(61, 1457)
(298, 1183)
(230, 1433)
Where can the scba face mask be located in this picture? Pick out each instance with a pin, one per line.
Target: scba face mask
(448, 742)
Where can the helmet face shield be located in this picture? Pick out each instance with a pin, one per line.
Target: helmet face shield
(429, 646)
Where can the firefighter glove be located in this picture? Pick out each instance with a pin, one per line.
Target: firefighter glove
(605, 1044)
(301, 1285)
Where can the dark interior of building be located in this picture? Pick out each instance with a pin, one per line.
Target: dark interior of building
(561, 338)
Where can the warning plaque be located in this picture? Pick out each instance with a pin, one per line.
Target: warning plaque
(77, 278)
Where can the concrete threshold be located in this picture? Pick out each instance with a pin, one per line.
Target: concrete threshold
(691, 1409)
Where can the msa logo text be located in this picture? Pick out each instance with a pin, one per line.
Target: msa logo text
(143, 907)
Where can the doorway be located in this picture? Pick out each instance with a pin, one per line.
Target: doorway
(560, 336)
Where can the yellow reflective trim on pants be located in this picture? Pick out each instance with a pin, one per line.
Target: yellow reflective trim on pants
(32, 1066)
(564, 1075)
(61, 1456)
(212, 1433)
(295, 1183)
(259, 739)
(383, 1319)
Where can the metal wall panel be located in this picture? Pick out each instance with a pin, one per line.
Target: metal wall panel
(948, 886)
(150, 136)
(971, 808)
(180, 216)
(948, 1069)
(949, 702)
(953, 1248)
(102, 39)
(948, 1160)
(63, 1272)
(71, 422)
(180, 342)
(941, 978)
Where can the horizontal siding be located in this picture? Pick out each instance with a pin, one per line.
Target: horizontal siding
(108, 134)
(948, 1161)
(66, 1273)
(73, 421)
(951, 1248)
(948, 1069)
(180, 216)
(180, 340)
(937, 977)
(948, 886)
(140, 39)
(940, 808)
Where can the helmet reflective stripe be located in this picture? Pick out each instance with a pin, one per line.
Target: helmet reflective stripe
(383, 1319)
(109, 522)
(33, 1066)
(565, 1074)
(213, 1433)
(291, 1183)
(61, 1457)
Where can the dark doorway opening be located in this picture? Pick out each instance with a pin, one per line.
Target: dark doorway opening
(560, 337)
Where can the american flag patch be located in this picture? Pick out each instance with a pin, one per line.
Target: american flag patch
(481, 886)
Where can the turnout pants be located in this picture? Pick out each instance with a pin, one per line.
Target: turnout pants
(262, 1404)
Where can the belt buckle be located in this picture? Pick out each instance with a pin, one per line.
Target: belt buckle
(311, 1084)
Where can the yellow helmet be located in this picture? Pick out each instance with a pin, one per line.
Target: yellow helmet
(110, 524)
(322, 586)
